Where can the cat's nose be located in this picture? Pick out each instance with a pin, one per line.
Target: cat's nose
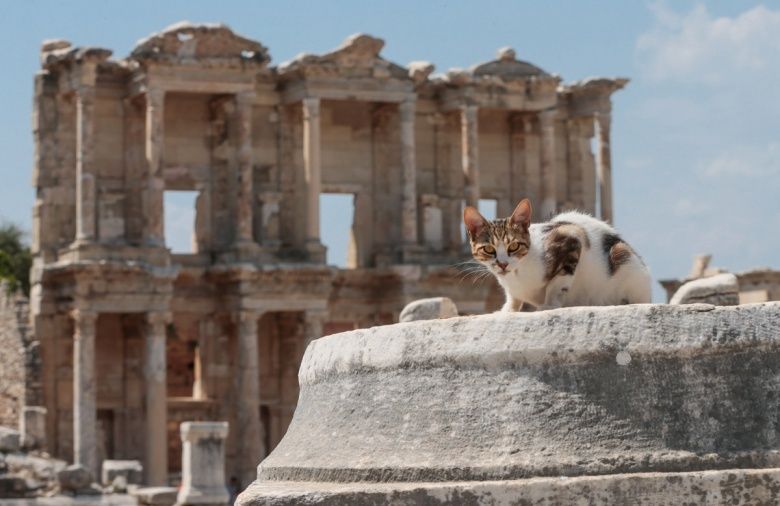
(501, 264)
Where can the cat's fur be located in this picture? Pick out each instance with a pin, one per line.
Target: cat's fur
(572, 260)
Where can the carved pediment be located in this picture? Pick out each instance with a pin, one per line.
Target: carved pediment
(358, 56)
(214, 44)
(508, 68)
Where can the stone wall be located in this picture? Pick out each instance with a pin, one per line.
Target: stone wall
(17, 357)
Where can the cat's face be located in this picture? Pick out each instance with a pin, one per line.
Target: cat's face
(499, 245)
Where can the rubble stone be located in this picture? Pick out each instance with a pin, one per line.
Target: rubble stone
(10, 440)
(131, 470)
(429, 309)
(155, 496)
(75, 479)
(719, 290)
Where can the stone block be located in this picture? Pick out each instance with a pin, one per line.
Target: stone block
(74, 478)
(155, 496)
(719, 290)
(429, 309)
(131, 471)
(33, 427)
(203, 463)
(10, 440)
(13, 486)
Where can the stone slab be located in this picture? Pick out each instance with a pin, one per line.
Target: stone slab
(720, 290)
(712, 488)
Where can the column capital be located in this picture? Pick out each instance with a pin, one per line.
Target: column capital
(245, 98)
(158, 317)
(311, 107)
(249, 315)
(407, 108)
(155, 97)
(84, 315)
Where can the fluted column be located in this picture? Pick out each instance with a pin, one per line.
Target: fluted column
(408, 163)
(156, 399)
(84, 391)
(251, 450)
(244, 102)
(86, 199)
(153, 195)
(312, 167)
(470, 153)
(603, 121)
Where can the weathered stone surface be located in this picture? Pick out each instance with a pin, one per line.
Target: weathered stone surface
(13, 486)
(33, 427)
(203, 475)
(429, 309)
(720, 290)
(74, 479)
(131, 470)
(10, 440)
(571, 392)
(155, 496)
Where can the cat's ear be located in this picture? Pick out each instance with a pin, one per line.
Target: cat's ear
(522, 214)
(474, 221)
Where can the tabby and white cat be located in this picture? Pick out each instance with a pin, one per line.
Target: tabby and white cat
(572, 260)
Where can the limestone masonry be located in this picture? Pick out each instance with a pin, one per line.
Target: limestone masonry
(133, 339)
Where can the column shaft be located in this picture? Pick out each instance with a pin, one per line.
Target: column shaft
(409, 195)
(312, 167)
(84, 392)
(549, 172)
(86, 199)
(250, 450)
(153, 201)
(244, 102)
(156, 398)
(603, 121)
(470, 153)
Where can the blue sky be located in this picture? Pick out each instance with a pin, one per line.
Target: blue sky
(696, 152)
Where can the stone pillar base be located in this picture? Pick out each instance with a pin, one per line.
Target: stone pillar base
(316, 251)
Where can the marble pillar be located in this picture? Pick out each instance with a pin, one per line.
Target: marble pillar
(550, 176)
(154, 233)
(312, 168)
(203, 464)
(409, 168)
(244, 103)
(250, 450)
(86, 198)
(156, 399)
(470, 153)
(603, 121)
(314, 324)
(84, 391)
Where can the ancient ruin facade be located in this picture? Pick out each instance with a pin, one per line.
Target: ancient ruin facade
(135, 339)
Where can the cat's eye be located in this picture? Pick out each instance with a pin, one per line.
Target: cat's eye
(489, 250)
(513, 247)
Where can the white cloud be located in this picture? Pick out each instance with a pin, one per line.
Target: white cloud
(744, 161)
(695, 47)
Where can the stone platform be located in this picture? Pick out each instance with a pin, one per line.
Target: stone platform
(620, 405)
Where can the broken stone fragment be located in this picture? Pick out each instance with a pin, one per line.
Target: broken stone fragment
(9, 440)
(419, 71)
(429, 309)
(155, 496)
(130, 472)
(719, 290)
(74, 479)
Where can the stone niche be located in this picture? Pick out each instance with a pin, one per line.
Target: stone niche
(642, 404)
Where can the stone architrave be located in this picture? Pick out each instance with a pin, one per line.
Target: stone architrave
(153, 194)
(86, 198)
(156, 398)
(409, 167)
(84, 391)
(312, 167)
(248, 399)
(244, 103)
(203, 464)
(470, 153)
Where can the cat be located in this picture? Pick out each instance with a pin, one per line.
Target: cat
(572, 260)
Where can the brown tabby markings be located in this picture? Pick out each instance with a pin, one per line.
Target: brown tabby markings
(617, 251)
(563, 244)
(497, 232)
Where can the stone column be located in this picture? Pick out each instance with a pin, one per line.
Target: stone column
(549, 173)
(533, 161)
(203, 464)
(84, 391)
(313, 325)
(86, 198)
(250, 448)
(409, 195)
(244, 102)
(156, 399)
(154, 233)
(603, 121)
(470, 153)
(312, 167)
